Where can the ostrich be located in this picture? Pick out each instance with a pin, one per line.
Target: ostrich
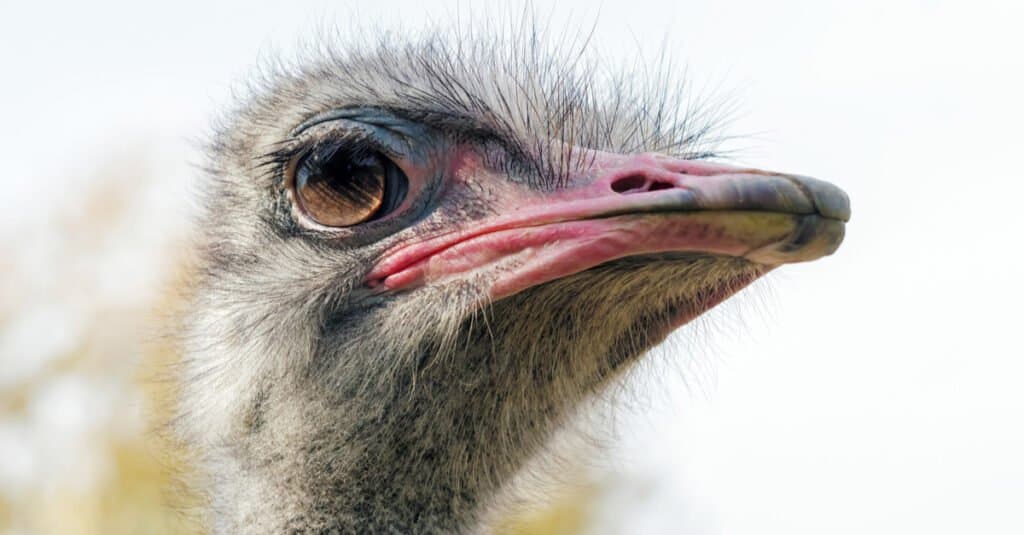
(419, 258)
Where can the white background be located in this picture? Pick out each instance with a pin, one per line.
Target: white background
(877, 391)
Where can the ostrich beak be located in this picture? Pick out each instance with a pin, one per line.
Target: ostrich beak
(633, 205)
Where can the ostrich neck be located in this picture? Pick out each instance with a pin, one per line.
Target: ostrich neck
(425, 454)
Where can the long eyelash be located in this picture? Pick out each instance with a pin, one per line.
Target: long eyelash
(283, 153)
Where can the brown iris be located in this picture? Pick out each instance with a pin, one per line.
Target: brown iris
(337, 186)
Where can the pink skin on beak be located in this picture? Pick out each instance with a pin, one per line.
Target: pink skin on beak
(625, 206)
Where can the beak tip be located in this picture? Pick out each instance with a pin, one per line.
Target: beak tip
(831, 201)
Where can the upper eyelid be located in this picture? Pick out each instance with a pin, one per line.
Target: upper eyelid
(352, 133)
(384, 123)
(285, 153)
(357, 114)
(392, 125)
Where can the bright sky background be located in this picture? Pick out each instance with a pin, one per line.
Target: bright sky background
(878, 391)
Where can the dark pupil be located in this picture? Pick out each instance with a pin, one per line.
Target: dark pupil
(339, 187)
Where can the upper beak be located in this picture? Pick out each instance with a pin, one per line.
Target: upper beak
(630, 205)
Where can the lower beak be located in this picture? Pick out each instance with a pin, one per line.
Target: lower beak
(629, 206)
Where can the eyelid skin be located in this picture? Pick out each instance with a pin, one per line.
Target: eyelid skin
(389, 129)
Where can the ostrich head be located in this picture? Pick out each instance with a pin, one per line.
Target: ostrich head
(418, 259)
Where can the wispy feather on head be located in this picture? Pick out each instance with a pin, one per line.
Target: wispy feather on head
(512, 81)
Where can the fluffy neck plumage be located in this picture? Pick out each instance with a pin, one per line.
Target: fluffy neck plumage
(425, 453)
(389, 420)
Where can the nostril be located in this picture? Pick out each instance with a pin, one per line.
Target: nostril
(632, 183)
(639, 184)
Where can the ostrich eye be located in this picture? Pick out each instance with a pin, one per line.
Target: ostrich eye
(338, 186)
